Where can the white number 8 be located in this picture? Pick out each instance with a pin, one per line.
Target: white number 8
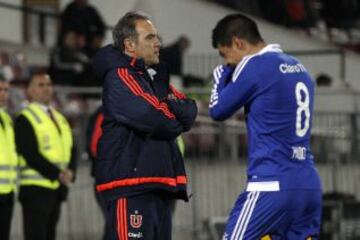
(303, 107)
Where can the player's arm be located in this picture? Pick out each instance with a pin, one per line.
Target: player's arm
(125, 101)
(231, 91)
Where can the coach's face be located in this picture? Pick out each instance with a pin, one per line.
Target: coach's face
(148, 44)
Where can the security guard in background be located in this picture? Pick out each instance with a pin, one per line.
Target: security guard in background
(8, 164)
(45, 144)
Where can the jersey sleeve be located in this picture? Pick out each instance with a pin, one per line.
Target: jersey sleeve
(236, 93)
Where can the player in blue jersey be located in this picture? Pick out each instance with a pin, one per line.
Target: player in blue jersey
(282, 199)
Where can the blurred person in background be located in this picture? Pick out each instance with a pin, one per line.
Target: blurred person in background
(173, 55)
(273, 11)
(47, 160)
(324, 80)
(84, 19)
(8, 163)
(140, 170)
(68, 64)
(90, 78)
(283, 196)
(340, 15)
(299, 15)
(96, 42)
(93, 134)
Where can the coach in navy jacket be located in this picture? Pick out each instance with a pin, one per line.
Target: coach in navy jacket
(143, 115)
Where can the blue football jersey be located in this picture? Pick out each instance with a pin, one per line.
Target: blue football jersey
(277, 94)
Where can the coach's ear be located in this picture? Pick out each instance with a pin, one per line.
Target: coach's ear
(130, 45)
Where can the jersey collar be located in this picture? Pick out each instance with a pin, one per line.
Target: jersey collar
(270, 48)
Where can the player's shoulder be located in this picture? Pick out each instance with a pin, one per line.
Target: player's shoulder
(247, 66)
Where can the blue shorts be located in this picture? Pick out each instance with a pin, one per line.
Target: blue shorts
(290, 215)
(146, 216)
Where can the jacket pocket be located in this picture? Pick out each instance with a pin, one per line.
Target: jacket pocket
(111, 148)
(155, 159)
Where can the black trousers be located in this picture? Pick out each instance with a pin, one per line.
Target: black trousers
(6, 212)
(41, 212)
(101, 203)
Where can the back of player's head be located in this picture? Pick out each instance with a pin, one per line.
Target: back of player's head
(235, 25)
(126, 28)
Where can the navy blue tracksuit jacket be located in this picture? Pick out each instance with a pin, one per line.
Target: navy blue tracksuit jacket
(137, 151)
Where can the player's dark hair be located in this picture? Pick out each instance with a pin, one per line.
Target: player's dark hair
(125, 28)
(235, 25)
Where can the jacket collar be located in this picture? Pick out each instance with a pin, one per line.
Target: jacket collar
(135, 62)
(109, 58)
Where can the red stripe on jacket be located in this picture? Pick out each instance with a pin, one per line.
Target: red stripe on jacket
(143, 180)
(150, 98)
(136, 89)
(97, 132)
(177, 93)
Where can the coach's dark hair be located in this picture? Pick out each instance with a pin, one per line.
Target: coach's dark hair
(125, 28)
(235, 25)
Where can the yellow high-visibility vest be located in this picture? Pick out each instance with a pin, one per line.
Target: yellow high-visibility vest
(55, 146)
(8, 156)
(180, 143)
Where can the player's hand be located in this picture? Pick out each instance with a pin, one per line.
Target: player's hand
(222, 74)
